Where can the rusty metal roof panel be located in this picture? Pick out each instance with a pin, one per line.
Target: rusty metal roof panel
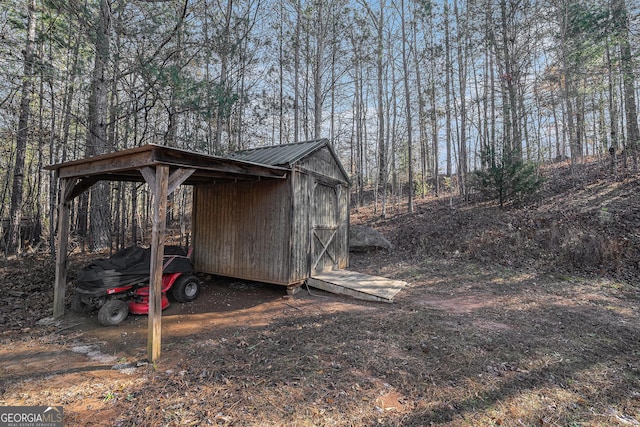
(279, 155)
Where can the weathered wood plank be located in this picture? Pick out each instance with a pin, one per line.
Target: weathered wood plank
(155, 269)
(325, 166)
(242, 230)
(178, 177)
(60, 285)
(149, 175)
(358, 285)
(81, 186)
(105, 164)
(203, 162)
(324, 247)
(125, 164)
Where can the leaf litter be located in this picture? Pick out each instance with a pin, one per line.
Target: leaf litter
(503, 323)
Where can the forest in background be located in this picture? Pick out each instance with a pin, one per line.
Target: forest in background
(415, 96)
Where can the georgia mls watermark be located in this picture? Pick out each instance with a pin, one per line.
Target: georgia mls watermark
(31, 416)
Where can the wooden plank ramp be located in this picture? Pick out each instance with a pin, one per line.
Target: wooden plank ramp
(358, 285)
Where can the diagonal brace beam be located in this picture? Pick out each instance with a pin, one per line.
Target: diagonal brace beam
(176, 178)
(325, 248)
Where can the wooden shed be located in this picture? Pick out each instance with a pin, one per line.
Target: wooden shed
(276, 231)
(276, 214)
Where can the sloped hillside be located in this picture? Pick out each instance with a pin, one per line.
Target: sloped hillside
(583, 219)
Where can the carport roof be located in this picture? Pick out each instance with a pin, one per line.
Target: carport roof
(125, 165)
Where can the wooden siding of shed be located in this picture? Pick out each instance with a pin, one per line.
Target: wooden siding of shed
(342, 237)
(325, 228)
(323, 163)
(332, 212)
(320, 168)
(300, 256)
(243, 230)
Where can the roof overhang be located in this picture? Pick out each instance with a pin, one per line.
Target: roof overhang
(126, 165)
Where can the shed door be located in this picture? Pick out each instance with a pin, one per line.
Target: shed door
(324, 228)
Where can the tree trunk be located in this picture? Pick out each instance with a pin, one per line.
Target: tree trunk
(318, 69)
(305, 90)
(422, 125)
(462, 81)
(628, 76)
(382, 146)
(15, 210)
(67, 108)
(613, 113)
(356, 127)
(222, 84)
(296, 74)
(434, 113)
(510, 79)
(100, 213)
(568, 91)
(407, 94)
(281, 75)
(448, 67)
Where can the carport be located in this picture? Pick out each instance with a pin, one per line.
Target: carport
(164, 169)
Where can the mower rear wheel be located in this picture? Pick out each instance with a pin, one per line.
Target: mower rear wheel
(113, 312)
(79, 306)
(185, 288)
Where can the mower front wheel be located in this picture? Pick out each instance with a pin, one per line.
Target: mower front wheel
(185, 288)
(113, 312)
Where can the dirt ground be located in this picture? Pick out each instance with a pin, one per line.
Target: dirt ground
(462, 345)
(475, 339)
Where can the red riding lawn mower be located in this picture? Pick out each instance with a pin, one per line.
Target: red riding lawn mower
(119, 285)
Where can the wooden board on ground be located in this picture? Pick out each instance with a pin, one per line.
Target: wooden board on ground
(357, 285)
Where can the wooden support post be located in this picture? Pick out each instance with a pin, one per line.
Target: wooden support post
(60, 286)
(159, 190)
(161, 185)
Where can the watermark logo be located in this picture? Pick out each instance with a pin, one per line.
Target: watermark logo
(31, 416)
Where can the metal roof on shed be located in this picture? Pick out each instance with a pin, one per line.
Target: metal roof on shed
(279, 155)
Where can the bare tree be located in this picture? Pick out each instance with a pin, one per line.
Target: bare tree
(448, 69)
(621, 27)
(407, 93)
(97, 141)
(462, 49)
(15, 212)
